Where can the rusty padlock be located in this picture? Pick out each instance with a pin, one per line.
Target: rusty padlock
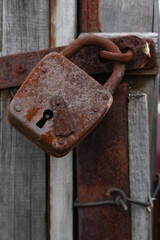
(59, 104)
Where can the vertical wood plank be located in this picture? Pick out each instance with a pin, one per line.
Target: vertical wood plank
(126, 15)
(156, 16)
(63, 30)
(22, 165)
(61, 198)
(139, 163)
(149, 86)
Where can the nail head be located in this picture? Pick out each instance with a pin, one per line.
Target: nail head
(20, 68)
(61, 141)
(44, 69)
(18, 108)
(105, 96)
(57, 101)
(95, 109)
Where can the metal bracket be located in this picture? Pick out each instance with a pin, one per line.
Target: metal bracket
(15, 68)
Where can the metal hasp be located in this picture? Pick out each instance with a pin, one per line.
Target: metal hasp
(59, 104)
(102, 164)
(15, 68)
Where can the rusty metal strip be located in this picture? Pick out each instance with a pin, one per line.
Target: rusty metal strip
(89, 16)
(102, 163)
(15, 68)
(52, 21)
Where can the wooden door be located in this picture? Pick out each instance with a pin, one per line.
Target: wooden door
(36, 191)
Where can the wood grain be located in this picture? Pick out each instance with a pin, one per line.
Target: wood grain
(63, 31)
(61, 198)
(156, 16)
(149, 86)
(126, 15)
(22, 165)
(139, 163)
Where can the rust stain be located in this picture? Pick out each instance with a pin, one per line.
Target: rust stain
(31, 113)
(94, 24)
(104, 43)
(89, 16)
(83, 15)
(87, 58)
(52, 22)
(71, 94)
(102, 163)
(77, 93)
(47, 136)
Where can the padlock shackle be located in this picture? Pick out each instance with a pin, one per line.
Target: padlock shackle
(104, 44)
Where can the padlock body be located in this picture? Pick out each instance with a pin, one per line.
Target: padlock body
(58, 105)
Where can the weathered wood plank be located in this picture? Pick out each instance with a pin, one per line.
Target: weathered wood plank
(63, 30)
(63, 21)
(61, 198)
(156, 16)
(22, 165)
(126, 16)
(148, 86)
(139, 163)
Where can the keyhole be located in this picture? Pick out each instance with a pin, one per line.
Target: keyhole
(47, 114)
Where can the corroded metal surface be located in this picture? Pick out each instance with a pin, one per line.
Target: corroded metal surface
(58, 105)
(15, 68)
(102, 164)
(103, 43)
(89, 16)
